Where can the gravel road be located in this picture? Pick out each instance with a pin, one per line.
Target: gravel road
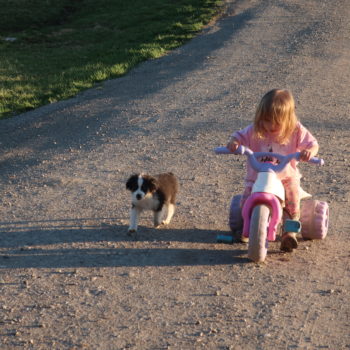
(71, 277)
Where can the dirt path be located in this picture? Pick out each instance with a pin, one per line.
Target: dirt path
(71, 277)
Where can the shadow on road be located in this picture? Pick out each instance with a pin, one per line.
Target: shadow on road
(62, 244)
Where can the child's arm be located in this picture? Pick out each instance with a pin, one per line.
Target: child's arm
(232, 144)
(241, 137)
(307, 153)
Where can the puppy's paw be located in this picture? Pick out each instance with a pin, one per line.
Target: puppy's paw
(157, 223)
(131, 230)
(162, 224)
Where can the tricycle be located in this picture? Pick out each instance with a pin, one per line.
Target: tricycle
(262, 214)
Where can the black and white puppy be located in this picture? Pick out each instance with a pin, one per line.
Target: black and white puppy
(156, 193)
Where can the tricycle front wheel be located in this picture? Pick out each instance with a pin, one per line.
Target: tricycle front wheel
(259, 221)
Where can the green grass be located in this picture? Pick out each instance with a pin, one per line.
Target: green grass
(64, 46)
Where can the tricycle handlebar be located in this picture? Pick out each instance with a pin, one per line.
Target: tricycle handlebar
(259, 166)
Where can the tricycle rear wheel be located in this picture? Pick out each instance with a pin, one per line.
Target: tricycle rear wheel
(235, 218)
(314, 219)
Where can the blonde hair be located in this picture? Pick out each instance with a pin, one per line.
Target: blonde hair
(277, 107)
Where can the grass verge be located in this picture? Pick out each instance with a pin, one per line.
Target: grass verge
(50, 50)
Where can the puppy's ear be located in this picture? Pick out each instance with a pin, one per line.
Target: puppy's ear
(131, 183)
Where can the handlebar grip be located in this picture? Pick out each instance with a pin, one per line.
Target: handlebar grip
(224, 150)
(317, 161)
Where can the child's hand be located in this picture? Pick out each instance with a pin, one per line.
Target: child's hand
(305, 155)
(232, 145)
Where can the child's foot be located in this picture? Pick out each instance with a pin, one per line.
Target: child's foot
(244, 239)
(239, 238)
(289, 242)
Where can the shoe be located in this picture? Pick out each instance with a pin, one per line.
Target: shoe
(289, 242)
(244, 239)
(240, 238)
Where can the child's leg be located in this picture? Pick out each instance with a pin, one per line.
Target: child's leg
(247, 192)
(292, 207)
(292, 200)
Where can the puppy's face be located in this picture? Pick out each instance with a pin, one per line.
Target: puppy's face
(141, 187)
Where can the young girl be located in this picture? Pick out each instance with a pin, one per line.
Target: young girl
(277, 129)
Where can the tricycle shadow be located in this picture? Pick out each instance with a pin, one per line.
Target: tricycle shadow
(58, 245)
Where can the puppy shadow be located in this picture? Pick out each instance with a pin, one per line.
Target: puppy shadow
(169, 233)
(60, 246)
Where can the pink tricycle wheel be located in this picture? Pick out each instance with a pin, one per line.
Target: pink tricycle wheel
(314, 219)
(257, 247)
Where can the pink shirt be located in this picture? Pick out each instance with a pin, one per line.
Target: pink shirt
(300, 139)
